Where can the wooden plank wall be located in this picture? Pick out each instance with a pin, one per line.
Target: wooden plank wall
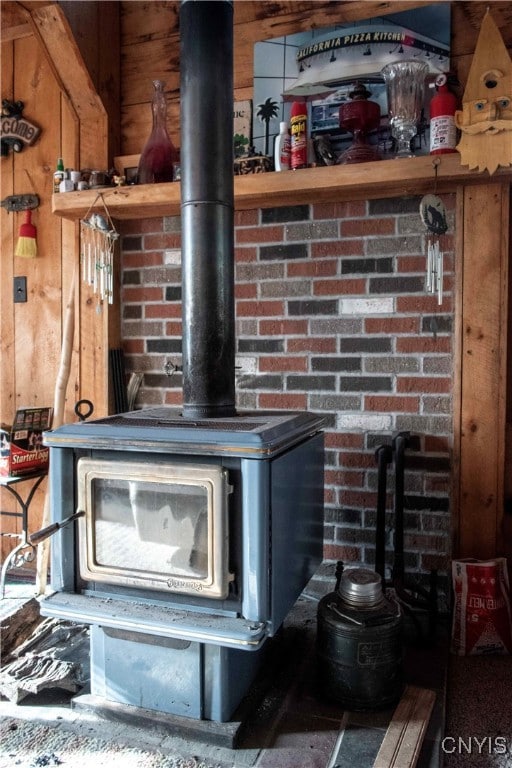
(483, 303)
(30, 339)
(43, 66)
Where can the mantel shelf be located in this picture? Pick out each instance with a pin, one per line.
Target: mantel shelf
(362, 181)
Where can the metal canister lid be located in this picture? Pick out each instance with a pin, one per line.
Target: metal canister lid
(361, 587)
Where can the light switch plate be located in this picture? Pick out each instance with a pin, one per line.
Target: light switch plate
(20, 289)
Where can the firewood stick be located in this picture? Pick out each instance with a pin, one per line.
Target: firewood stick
(43, 550)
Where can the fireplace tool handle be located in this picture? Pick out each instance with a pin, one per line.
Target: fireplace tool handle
(44, 533)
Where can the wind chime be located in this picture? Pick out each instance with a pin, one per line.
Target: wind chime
(98, 239)
(433, 216)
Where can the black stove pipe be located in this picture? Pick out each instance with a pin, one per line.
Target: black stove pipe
(207, 208)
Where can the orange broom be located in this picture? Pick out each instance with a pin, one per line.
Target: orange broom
(27, 243)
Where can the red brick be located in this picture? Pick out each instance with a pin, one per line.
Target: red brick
(141, 226)
(174, 329)
(133, 259)
(337, 248)
(362, 499)
(338, 287)
(339, 210)
(141, 294)
(425, 303)
(171, 309)
(312, 344)
(133, 346)
(244, 255)
(434, 444)
(281, 363)
(312, 268)
(259, 308)
(268, 234)
(344, 440)
(357, 459)
(392, 325)
(282, 400)
(162, 241)
(329, 495)
(246, 290)
(411, 264)
(173, 397)
(338, 552)
(282, 327)
(423, 384)
(424, 344)
(246, 218)
(367, 227)
(389, 403)
(344, 478)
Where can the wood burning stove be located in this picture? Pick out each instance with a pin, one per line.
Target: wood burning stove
(197, 529)
(194, 540)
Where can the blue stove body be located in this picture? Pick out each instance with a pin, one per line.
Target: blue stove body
(179, 651)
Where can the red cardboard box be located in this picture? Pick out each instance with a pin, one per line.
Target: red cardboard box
(21, 445)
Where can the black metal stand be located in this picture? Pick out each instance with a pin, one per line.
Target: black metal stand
(17, 557)
(412, 597)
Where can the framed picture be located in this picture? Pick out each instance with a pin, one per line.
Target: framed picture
(242, 125)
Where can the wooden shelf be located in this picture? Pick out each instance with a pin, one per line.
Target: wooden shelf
(362, 181)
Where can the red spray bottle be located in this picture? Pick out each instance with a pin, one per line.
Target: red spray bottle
(299, 135)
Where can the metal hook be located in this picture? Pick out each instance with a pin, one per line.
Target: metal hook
(436, 162)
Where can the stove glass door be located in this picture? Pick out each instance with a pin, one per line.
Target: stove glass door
(160, 526)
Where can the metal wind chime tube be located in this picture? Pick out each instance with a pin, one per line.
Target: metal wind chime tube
(98, 239)
(434, 280)
(433, 215)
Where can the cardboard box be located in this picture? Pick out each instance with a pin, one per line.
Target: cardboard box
(21, 445)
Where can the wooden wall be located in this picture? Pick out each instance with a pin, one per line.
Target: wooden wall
(42, 65)
(30, 338)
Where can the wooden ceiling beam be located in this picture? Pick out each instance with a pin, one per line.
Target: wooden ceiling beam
(49, 25)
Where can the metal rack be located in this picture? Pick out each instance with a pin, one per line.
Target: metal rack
(18, 557)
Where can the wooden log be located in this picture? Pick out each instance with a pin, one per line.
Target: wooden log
(17, 626)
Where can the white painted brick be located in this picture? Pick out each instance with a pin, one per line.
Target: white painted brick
(384, 306)
(245, 365)
(172, 256)
(372, 422)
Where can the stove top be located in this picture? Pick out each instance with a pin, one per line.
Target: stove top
(164, 428)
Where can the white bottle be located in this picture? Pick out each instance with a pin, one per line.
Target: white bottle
(282, 149)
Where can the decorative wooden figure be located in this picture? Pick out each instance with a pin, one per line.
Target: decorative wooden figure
(485, 120)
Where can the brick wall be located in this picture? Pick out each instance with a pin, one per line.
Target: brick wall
(332, 316)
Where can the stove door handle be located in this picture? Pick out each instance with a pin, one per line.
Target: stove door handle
(49, 530)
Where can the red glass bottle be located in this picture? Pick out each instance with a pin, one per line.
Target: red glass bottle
(159, 153)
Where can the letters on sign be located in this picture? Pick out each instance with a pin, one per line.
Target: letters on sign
(16, 131)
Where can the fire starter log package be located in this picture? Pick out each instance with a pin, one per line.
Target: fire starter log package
(22, 450)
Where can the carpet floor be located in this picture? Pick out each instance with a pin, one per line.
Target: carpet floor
(478, 731)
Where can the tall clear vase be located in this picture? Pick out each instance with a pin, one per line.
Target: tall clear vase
(159, 153)
(405, 85)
